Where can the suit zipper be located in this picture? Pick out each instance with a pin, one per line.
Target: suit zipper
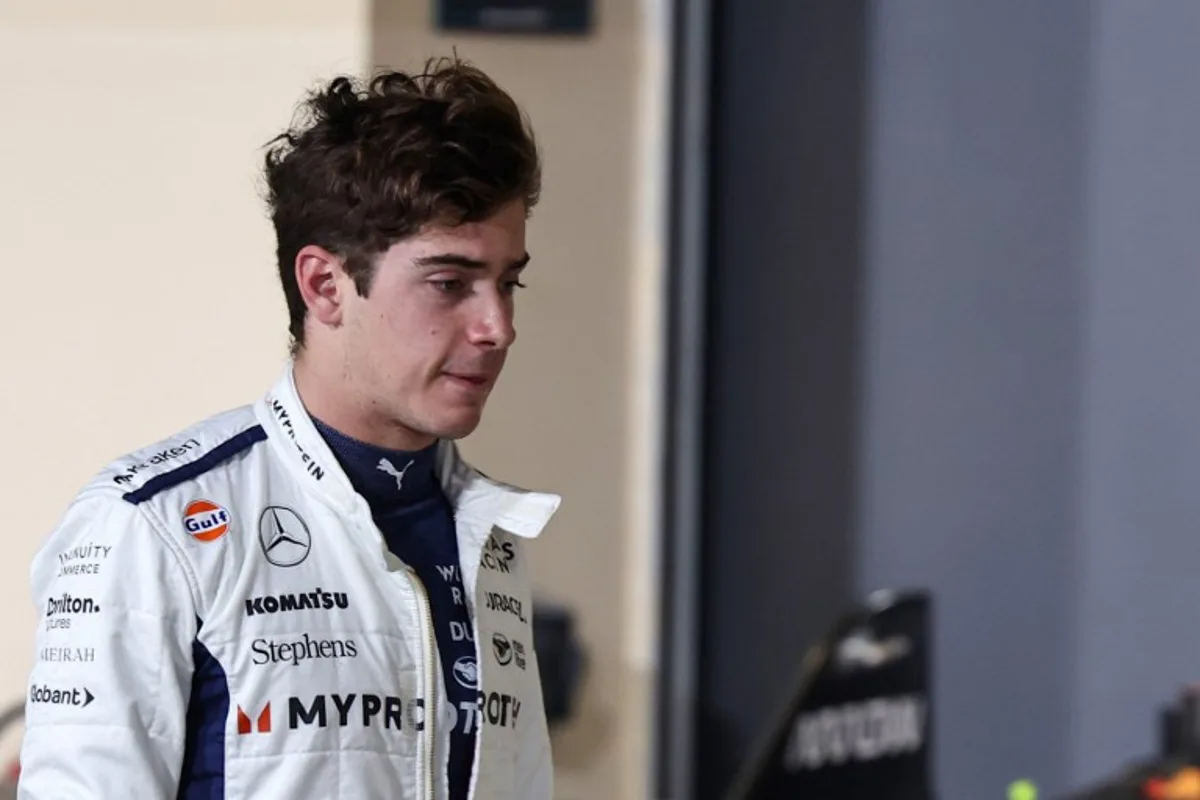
(430, 680)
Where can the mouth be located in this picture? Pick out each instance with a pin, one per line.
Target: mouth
(469, 380)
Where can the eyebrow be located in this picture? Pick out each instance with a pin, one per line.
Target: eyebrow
(458, 260)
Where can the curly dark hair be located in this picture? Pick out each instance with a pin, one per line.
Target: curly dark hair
(367, 164)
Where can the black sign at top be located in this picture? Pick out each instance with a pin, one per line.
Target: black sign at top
(572, 17)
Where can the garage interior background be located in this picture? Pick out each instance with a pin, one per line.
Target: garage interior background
(946, 255)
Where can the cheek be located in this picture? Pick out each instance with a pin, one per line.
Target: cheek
(406, 326)
(410, 336)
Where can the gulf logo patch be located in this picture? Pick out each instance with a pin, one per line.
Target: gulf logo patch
(205, 520)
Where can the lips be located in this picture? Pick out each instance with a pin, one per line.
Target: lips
(475, 380)
(472, 383)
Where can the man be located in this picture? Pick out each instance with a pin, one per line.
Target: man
(314, 596)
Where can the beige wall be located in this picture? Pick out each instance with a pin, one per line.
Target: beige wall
(140, 268)
(137, 256)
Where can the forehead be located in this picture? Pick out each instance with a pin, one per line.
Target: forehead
(499, 238)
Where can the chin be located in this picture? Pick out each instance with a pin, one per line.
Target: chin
(458, 427)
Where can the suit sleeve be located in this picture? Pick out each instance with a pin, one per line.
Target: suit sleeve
(107, 696)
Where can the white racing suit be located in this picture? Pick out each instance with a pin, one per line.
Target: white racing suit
(222, 619)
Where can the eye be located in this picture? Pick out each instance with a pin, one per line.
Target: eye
(512, 286)
(449, 285)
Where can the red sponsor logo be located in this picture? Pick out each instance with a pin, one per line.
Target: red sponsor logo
(262, 723)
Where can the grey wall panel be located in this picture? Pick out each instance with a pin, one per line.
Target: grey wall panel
(1138, 547)
(971, 374)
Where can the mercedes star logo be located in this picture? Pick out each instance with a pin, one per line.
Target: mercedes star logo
(284, 536)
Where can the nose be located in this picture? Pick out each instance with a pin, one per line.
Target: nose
(492, 325)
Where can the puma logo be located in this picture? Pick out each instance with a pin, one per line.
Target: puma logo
(387, 466)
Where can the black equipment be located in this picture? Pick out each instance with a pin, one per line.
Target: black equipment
(858, 722)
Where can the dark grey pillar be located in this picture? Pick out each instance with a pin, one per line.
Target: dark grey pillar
(782, 410)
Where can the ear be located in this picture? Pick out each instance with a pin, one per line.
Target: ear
(318, 274)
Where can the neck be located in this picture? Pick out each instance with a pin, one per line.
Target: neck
(389, 480)
(330, 396)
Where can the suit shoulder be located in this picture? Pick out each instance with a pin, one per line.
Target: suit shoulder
(174, 492)
(106, 507)
(182, 457)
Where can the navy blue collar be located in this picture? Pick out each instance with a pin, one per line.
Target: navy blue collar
(387, 479)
